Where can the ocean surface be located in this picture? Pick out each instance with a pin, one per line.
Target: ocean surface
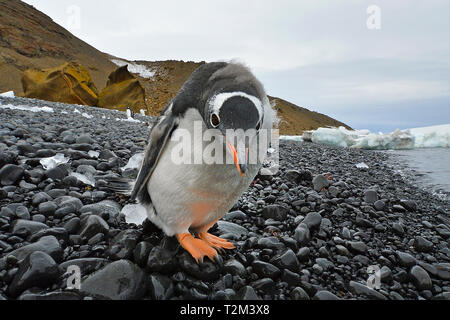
(431, 167)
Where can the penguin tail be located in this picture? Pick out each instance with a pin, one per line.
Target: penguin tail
(119, 185)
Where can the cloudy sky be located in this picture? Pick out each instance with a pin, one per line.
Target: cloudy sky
(317, 54)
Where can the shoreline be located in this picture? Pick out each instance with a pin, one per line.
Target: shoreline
(309, 232)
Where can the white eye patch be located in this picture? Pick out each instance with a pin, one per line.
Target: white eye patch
(217, 101)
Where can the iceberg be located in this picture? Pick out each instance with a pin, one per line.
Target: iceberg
(426, 137)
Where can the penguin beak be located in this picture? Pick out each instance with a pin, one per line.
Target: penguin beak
(240, 157)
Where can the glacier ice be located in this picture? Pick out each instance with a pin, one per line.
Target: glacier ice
(426, 137)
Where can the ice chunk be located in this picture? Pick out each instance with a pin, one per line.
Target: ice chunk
(432, 137)
(291, 138)
(85, 178)
(134, 213)
(53, 162)
(134, 162)
(86, 115)
(93, 154)
(427, 137)
(76, 111)
(129, 120)
(8, 94)
(27, 108)
(362, 165)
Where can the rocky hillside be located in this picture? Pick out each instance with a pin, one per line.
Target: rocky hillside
(31, 40)
(170, 76)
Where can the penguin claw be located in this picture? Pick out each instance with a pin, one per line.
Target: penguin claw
(216, 242)
(197, 248)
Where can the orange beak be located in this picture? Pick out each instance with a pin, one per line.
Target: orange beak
(239, 160)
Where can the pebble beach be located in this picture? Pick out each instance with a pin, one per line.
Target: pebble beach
(309, 232)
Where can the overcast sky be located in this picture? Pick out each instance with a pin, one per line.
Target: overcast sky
(317, 54)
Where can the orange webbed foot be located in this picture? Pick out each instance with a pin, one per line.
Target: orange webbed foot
(197, 248)
(216, 242)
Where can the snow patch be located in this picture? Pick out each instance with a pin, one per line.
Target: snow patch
(427, 137)
(128, 120)
(27, 108)
(8, 94)
(139, 69)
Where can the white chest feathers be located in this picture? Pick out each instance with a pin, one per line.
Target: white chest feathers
(192, 194)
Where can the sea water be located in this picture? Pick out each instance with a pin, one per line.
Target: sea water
(431, 166)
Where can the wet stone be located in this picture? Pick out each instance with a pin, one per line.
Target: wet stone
(37, 270)
(120, 280)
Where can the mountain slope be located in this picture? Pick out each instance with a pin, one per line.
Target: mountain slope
(30, 39)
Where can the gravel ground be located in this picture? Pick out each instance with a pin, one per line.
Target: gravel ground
(309, 232)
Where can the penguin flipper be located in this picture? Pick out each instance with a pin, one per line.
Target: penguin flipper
(159, 135)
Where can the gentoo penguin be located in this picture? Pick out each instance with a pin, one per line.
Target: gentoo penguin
(186, 199)
(130, 113)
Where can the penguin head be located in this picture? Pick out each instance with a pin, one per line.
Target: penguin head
(238, 116)
(230, 99)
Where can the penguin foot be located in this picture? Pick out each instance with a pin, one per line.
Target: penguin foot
(216, 242)
(197, 248)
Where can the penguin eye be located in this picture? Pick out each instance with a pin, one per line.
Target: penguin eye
(215, 120)
(258, 126)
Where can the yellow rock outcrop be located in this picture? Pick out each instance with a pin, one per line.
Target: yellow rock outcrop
(122, 90)
(69, 83)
